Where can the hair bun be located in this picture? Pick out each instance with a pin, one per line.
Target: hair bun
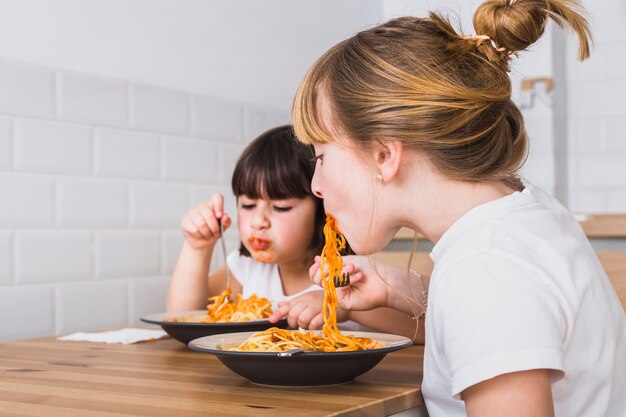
(517, 24)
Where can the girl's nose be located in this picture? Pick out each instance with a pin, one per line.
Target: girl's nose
(260, 220)
(315, 185)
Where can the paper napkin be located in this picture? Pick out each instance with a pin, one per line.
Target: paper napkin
(124, 336)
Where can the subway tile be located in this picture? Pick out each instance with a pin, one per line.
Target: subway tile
(51, 255)
(539, 170)
(257, 120)
(540, 129)
(172, 243)
(92, 202)
(124, 153)
(616, 200)
(616, 135)
(228, 156)
(158, 204)
(91, 306)
(587, 135)
(216, 118)
(146, 296)
(53, 147)
(159, 109)
(587, 201)
(6, 143)
(26, 311)
(603, 170)
(92, 98)
(190, 160)
(27, 200)
(6, 257)
(127, 253)
(597, 99)
(26, 89)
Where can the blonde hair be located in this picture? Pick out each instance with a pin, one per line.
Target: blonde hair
(418, 81)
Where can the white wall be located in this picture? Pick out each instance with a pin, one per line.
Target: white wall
(597, 114)
(246, 50)
(115, 118)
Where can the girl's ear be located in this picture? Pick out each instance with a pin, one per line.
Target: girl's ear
(387, 156)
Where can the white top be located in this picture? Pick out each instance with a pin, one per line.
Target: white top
(260, 278)
(517, 286)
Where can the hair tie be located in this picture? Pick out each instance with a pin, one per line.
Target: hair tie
(487, 38)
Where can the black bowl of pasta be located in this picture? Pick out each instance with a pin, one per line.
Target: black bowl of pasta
(300, 369)
(186, 331)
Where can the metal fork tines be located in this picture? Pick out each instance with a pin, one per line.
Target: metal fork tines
(219, 221)
(344, 281)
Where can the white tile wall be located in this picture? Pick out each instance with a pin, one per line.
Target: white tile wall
(228, 155)
(53, 256)
(26, 89)
(146, 296)
(190, 160)
(158, 204)
(597, 114)
(125, 153)
(128, 253)
(6, 257)
(91, 305)
(6, 143)
(160, 110)
(95, 175)
(216, 118)
(257, 120)
(45, 146)
(92, 202)
(26, 311)
(92, 99)
(27, 200)
(172, 243)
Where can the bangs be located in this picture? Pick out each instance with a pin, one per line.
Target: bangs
(305, 112)
(275, 166)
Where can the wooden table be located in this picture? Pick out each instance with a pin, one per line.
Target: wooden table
(47, 377)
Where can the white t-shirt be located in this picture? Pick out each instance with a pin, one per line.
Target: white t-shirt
(260, 278)
(517, 286)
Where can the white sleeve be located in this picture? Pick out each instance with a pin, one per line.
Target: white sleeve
(494, 317)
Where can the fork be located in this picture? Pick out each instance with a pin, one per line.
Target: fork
(219, 222)
(344, 281)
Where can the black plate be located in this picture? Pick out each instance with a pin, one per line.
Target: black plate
(185, 332)
(302, 369)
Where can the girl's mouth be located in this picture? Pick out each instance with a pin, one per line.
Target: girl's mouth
(258, 244)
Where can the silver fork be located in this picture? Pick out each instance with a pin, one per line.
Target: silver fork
(219, 221)
(343, 282)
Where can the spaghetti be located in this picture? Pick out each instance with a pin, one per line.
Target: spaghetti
(330, 339)
(221, 310)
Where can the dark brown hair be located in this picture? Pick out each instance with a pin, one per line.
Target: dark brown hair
(418, 81)
(277, 166)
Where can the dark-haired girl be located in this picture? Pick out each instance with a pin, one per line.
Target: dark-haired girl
(280, 224)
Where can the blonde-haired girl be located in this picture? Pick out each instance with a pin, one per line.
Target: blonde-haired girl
(413, 125)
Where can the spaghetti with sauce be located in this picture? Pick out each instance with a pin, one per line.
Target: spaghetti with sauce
(330, 339)
(221, 310)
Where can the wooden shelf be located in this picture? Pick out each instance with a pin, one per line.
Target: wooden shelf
(595, 226)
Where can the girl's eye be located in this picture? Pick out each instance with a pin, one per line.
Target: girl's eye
(281, 209)
(247, 206)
